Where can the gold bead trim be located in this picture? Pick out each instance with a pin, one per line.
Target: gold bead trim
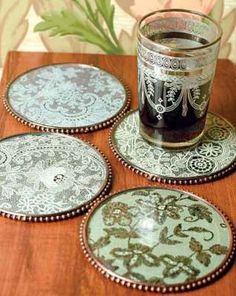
(210, 278)
(70, 130)
(71, 213)
(160, 179)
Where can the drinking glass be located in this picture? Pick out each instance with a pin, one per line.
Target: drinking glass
(177, 54)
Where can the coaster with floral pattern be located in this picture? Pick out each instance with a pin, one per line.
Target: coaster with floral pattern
(212, 158)
(48, 177)
(66, 98)
(158, 239)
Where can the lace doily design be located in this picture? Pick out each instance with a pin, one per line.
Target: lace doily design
(158, 239)
(49, 176)
(213, 157)
(67, 98)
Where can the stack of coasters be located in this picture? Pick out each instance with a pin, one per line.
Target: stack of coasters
(158, 239)
(67, 98)
(48, 177)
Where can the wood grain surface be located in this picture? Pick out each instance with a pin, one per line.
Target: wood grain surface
(46, 259)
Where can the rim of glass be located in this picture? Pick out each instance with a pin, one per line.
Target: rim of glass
(218, 37)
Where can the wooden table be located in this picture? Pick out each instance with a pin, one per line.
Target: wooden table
(46, 259)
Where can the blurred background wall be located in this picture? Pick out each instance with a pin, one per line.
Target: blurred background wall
(105, 26)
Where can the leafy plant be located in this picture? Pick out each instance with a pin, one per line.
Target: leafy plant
(97, 26)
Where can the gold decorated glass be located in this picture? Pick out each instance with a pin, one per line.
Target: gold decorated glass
(177, 54)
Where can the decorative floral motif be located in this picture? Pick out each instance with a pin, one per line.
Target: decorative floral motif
(183, 246)
(48, 173)
(174, 266)
(116, 213)
(200, 165)
(66, 96)
(159, 208)
(210, 149)
(136, 255)
(199, 212)
(218, 133)
(209, 157)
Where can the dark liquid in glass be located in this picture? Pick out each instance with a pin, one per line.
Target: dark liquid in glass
(184, 123)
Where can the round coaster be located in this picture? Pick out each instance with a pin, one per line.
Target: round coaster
(212, 158)
(158, 239)
(48, 177)
(66, 98)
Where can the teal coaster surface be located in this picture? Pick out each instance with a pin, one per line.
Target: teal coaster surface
(158, 239)
(212, 158)
(66, 98)
(48, 177)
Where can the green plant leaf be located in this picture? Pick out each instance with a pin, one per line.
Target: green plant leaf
(163, 238)
(106, 9)
(120, 233)
(204, 258)
(93, 16)
(218, 249)
(68, 23)
(195, 245)
(178, 231)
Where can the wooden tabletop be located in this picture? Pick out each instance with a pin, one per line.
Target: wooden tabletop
(46, 259)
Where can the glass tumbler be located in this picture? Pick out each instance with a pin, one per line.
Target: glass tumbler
(177, 54)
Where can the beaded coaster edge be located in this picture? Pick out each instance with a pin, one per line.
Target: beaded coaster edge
(212, 277)
(67, 130)
(165, 180)
(69, 213)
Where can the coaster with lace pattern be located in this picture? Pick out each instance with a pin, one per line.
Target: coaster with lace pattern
(212, 158)
(66, 98)
(158, 239)
(49, 177)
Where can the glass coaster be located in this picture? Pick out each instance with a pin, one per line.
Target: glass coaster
(212, 158)
(66, 98)
(49, 177)
(158, 239)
